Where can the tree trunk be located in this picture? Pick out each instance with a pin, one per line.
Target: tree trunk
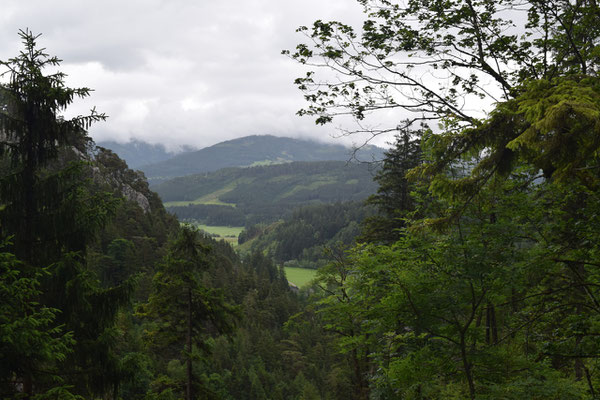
(491, 327)
(188, 389)
(362, 387)
(467, 366)
(27, 386)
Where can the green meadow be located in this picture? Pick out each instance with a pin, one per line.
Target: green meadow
(228, 233)
(300, 276)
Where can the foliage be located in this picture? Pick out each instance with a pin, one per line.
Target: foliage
(67, 329)
(181, 319)
(52, 214)
(478, 279)
(32, 135)
(476, 49)
(28, 334)
(489, 290)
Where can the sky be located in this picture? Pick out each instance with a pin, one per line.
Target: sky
(181, 72)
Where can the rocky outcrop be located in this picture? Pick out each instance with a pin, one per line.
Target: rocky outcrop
(110, 169)
(132, 195)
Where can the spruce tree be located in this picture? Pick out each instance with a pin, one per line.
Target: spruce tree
(50, 214)
(393, 198)
(184, 309)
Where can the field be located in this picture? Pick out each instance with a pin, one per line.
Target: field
(299, 276)
(211, 198)
(228, 233)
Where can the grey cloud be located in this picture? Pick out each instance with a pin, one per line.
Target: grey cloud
(180, 72)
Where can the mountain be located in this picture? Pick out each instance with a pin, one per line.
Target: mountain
(243, 196)
(251, 151)
(137, 153)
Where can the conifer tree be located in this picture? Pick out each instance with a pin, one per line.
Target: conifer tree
(393, 198)
(51, 215)
(32, 134)
(182, 306)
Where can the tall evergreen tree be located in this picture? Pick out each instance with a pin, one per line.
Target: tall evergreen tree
(51, 215)
(32, 134)
(182, 307)
(393, 198)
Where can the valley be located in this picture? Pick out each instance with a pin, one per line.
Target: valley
(461, 262)
(276, 207)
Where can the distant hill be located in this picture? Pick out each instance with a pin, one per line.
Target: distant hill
(244, 196)
(251, 151)
(137, 153)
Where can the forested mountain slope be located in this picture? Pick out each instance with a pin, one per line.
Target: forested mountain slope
(306, 236)
(479, 277)
(253, 150)
(243, 196)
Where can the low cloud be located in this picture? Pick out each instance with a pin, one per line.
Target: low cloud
(180, 72)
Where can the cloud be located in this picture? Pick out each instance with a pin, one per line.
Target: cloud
(179, 72)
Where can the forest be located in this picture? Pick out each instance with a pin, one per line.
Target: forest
(476, 274)
(264, 194)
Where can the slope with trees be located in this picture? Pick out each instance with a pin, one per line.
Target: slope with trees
(246, 196)
(82, 237)
(251, 151)
(305, 237)
(487, 286)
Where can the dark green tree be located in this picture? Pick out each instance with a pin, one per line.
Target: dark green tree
(33, 133)
(393, 199)
(29, 337)
(491, 292)
(184, 308)
(52, 215)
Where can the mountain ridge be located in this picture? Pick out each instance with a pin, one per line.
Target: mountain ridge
(252, 151)
(137, 153)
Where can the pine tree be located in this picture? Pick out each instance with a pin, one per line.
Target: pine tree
(32, 134)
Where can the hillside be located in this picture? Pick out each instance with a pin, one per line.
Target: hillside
(250, 151)
(301, 239)
(243, 196)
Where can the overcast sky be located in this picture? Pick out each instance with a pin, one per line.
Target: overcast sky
(180, 71)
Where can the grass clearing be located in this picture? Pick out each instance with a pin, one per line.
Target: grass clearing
(300, 276)
(222, 231)
(228, 233)
(213, 198)
(323, 181)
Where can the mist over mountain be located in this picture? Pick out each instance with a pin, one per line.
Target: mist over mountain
(252, 151)
(137, 153)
